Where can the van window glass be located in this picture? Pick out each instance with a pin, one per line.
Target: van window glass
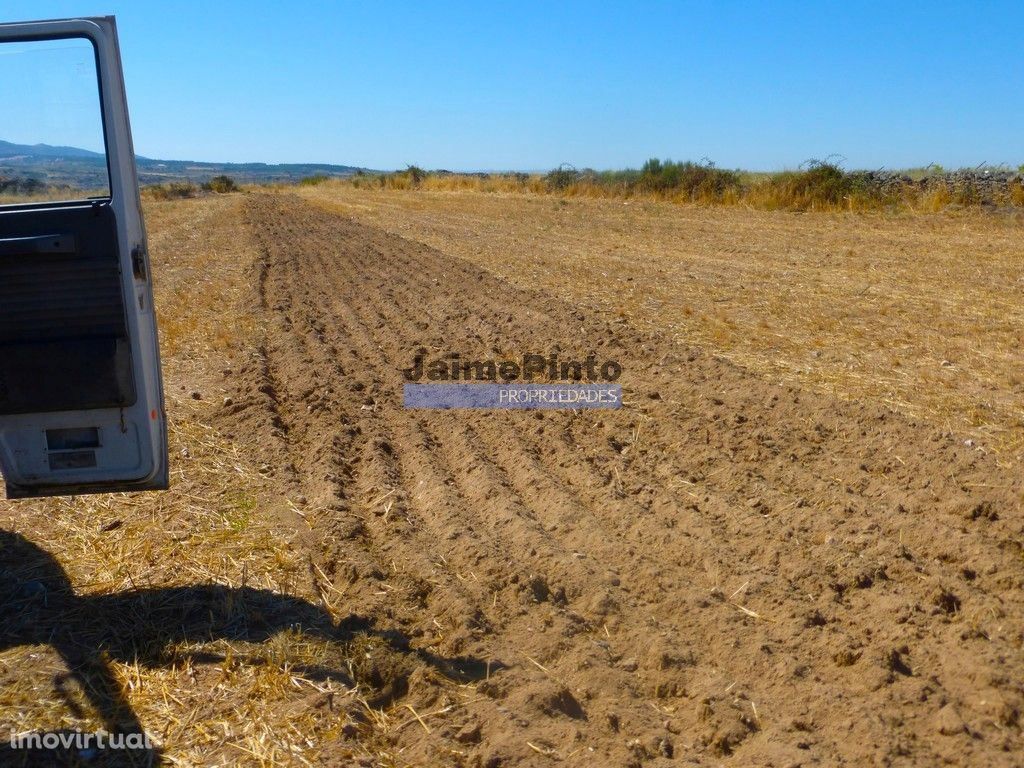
(51, 133)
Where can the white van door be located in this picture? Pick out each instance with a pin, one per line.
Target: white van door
(81, 396)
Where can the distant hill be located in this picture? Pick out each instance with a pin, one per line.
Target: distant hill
(7, 149)
(75, 167)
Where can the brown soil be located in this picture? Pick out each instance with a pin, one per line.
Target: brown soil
(725, 570)
(924, 313)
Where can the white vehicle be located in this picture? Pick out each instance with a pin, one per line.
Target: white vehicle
(81, 396)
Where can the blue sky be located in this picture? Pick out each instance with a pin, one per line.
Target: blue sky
(527, 85)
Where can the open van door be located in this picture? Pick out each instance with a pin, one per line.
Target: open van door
(81, 396)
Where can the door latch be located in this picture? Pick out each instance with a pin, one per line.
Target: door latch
(139, 262)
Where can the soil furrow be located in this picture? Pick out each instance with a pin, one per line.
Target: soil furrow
(723, 569)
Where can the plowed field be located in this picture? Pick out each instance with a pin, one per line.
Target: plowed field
(727, 570)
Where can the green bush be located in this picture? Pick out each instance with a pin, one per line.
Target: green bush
(21, 186)
(821, 185)
(221, 184)
(415, 174)
(172, 191)
(563, 177)
(698, 182)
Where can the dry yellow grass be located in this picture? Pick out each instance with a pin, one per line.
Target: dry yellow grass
(924, 312)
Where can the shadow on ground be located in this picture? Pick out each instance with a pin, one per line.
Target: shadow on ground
(38, 606)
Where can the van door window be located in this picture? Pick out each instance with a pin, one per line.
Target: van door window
(51, 140)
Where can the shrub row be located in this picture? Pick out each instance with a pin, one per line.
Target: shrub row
(819, 185)
(175, 190)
